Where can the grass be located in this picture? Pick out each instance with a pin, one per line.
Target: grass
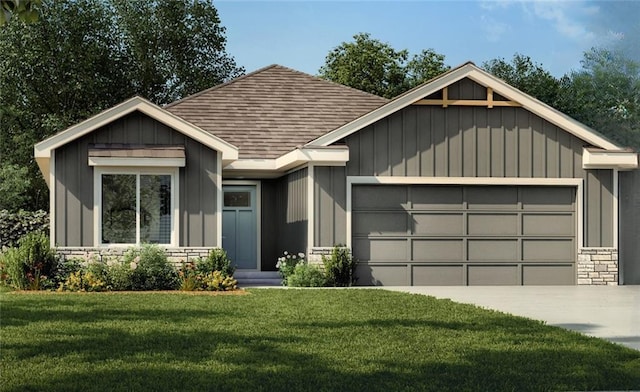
(293, 340)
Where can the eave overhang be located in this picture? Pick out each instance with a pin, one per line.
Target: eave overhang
(595, 158)
(469, 70)
(321, 156)
(43, 151)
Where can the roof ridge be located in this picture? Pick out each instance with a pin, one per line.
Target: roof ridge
(217, 86)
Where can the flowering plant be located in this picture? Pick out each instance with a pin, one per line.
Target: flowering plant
(287, 264)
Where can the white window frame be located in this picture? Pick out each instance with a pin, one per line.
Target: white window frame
(174, 172)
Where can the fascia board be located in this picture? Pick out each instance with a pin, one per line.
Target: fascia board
(43, 149)
(472, 72)
(297, 157)
(541, 109)
(622, 160)
(391, 107)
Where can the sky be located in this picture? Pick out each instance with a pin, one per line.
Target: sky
(554, 33)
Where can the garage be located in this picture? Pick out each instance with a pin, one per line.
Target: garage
(464, 234)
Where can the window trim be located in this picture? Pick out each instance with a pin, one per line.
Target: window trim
(174, 172)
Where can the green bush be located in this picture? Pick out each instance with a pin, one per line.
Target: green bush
(151, 269)
(306, 275)
(120, 276)
(287, 263)
(217, 260)
(340, 267)
(31, 265)
(15, 225)
(92, 277)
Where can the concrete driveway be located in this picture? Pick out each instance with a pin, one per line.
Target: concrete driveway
(607, 312)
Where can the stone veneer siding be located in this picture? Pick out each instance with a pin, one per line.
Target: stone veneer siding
(175, 255)
(598, 266)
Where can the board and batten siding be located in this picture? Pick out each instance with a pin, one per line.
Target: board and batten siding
(74, 223)
(283, 217)
(462, 141)
(629, 227)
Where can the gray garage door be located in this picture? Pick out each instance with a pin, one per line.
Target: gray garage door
(464, 235)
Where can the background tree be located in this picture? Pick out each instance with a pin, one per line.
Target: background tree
(527, 76)
(375, 67)
(83, 56)
(605, 94)
(27, 10)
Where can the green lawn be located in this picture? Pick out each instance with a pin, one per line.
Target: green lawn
(284, 340)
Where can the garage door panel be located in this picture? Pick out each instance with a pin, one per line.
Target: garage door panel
(548, 224)
(539, 249)
(494, 198)
(492, 224)
(438, 224)
(548, 274)
(437, 197)
(388, 223)
(438, 275)
(437, 249)
(476, 235)
(380, 249)
(492, 275)
(548, 198)
(382, 275)
(489, 250)
(379, 197)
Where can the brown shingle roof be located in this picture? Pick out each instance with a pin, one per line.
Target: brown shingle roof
(273, 110)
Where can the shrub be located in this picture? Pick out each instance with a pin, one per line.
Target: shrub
(120, 275)
(287, 264)
(151, 269)
(340, 267)
(217, 281)
(189, 277)
(306, 275)
(217, 260)
(15, 225)
(31, 264)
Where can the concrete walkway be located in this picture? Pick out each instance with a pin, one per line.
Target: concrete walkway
(607, 312)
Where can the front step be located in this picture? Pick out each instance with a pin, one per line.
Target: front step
(258, 278)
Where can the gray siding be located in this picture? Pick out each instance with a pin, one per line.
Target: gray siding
(458, 141)
(74, 182)
(630, 227)
(283, 217)
(330, 206)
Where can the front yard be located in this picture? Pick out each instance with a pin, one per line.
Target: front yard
(293, 340)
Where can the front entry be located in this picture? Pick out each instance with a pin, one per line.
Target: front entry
(239, 222)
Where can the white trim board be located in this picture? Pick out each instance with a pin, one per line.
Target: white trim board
(468, 70)
(387, 180)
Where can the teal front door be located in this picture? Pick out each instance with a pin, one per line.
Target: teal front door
(239, 225)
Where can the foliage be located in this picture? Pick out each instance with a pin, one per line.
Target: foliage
(30, 265)
(196, 278)
(527, 76)
(14, 183)
(93, 278)
(287, 264)
(306, 275)
(83, 56)
(330, 340)
(375, 67)
(120, 275)
(14, 226)
(216, 260)
(25, 10)
(605, 94)
(151, 268)
(340, 267)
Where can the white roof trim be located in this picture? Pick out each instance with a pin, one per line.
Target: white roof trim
(321, 156)
(484, 78)
(622, 160)
(43, 149)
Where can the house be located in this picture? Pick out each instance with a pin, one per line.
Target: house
(462, 180)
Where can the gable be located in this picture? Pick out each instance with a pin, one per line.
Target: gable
(497, 93)
(44, 150)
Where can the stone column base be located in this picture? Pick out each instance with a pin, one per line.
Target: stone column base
(598, 266)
